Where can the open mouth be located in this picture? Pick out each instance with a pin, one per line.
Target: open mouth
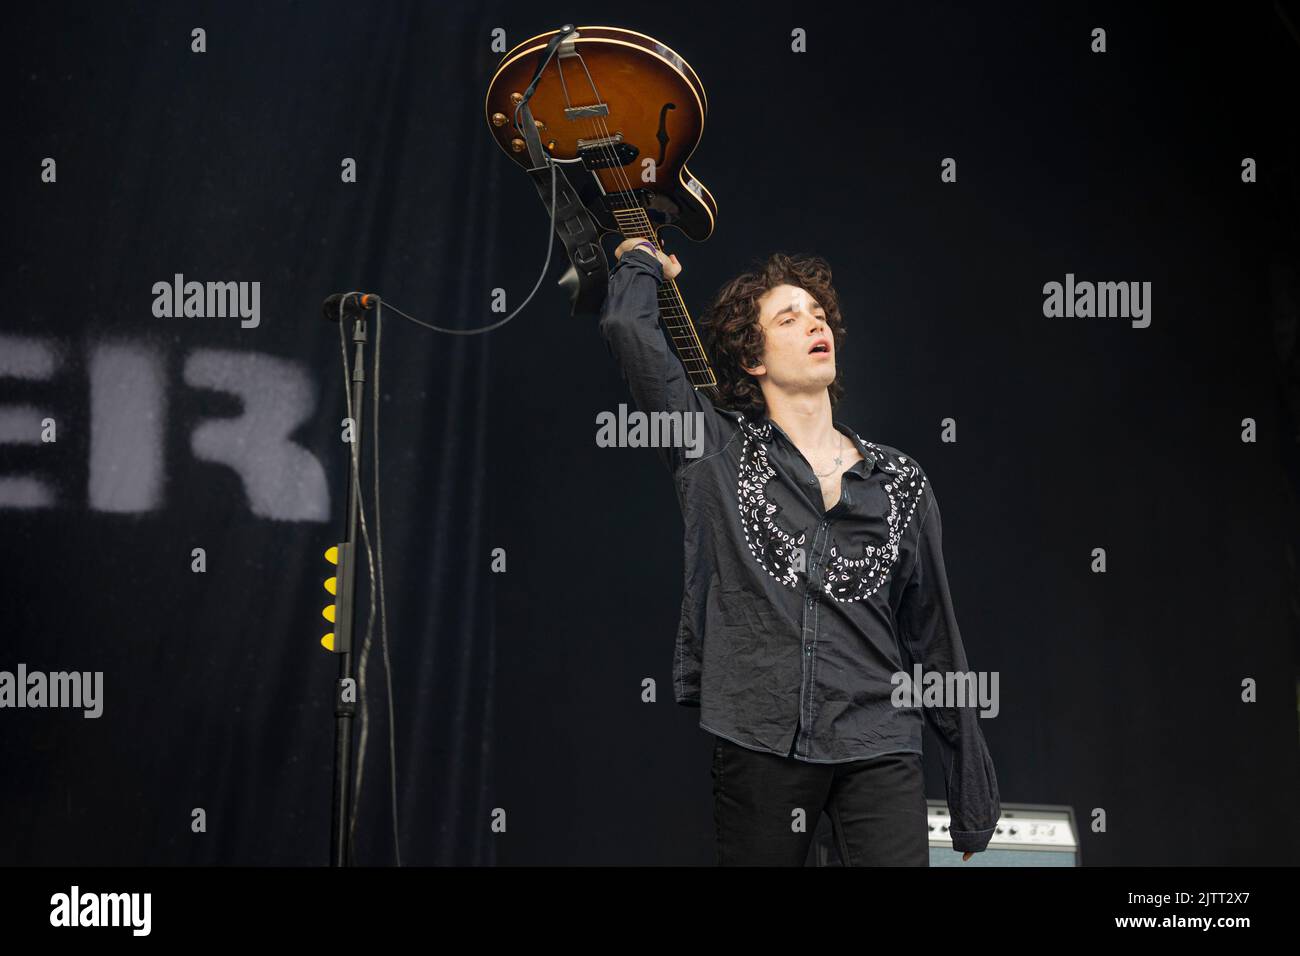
(821, 346)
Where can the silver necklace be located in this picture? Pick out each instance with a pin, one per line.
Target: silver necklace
(839, 460)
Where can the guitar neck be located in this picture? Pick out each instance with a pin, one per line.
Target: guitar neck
(673, 314)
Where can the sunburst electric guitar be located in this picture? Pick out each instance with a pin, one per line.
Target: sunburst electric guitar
(613, 115)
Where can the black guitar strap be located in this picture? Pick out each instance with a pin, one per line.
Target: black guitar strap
(587, 279)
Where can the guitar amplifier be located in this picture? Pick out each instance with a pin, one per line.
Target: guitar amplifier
(1027, 834)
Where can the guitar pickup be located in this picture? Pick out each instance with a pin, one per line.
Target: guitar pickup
(606, 152)
(640, 199)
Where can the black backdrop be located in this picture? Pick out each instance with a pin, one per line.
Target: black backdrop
(521, 691)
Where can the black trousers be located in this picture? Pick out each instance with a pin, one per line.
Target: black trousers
(876, 806)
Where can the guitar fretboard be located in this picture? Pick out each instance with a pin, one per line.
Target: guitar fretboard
(676, 320)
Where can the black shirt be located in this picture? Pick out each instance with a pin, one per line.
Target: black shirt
(794, 619)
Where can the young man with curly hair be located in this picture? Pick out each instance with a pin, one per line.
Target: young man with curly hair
(814, 578)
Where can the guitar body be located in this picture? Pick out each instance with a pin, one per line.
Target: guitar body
(617, 114)
(653, 108)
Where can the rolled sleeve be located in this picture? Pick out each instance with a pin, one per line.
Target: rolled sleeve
(928, 630)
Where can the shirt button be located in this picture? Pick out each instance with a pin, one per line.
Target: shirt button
(808, 649)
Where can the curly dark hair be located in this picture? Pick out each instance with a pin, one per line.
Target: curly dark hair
(734, 339)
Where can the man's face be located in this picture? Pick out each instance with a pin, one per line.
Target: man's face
(799, 349)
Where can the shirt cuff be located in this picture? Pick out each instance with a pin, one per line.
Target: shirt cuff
(641, 256)
(971, 841)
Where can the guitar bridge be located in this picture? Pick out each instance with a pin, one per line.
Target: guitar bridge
(586, 112)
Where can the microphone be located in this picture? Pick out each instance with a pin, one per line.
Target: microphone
(353, 303)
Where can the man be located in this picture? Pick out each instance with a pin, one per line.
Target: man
(814, 576)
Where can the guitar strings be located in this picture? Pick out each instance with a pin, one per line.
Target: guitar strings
(674, 309)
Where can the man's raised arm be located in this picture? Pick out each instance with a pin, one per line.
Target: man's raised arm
(660, 386)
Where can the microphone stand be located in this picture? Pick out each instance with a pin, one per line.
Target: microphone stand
(345, 616)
